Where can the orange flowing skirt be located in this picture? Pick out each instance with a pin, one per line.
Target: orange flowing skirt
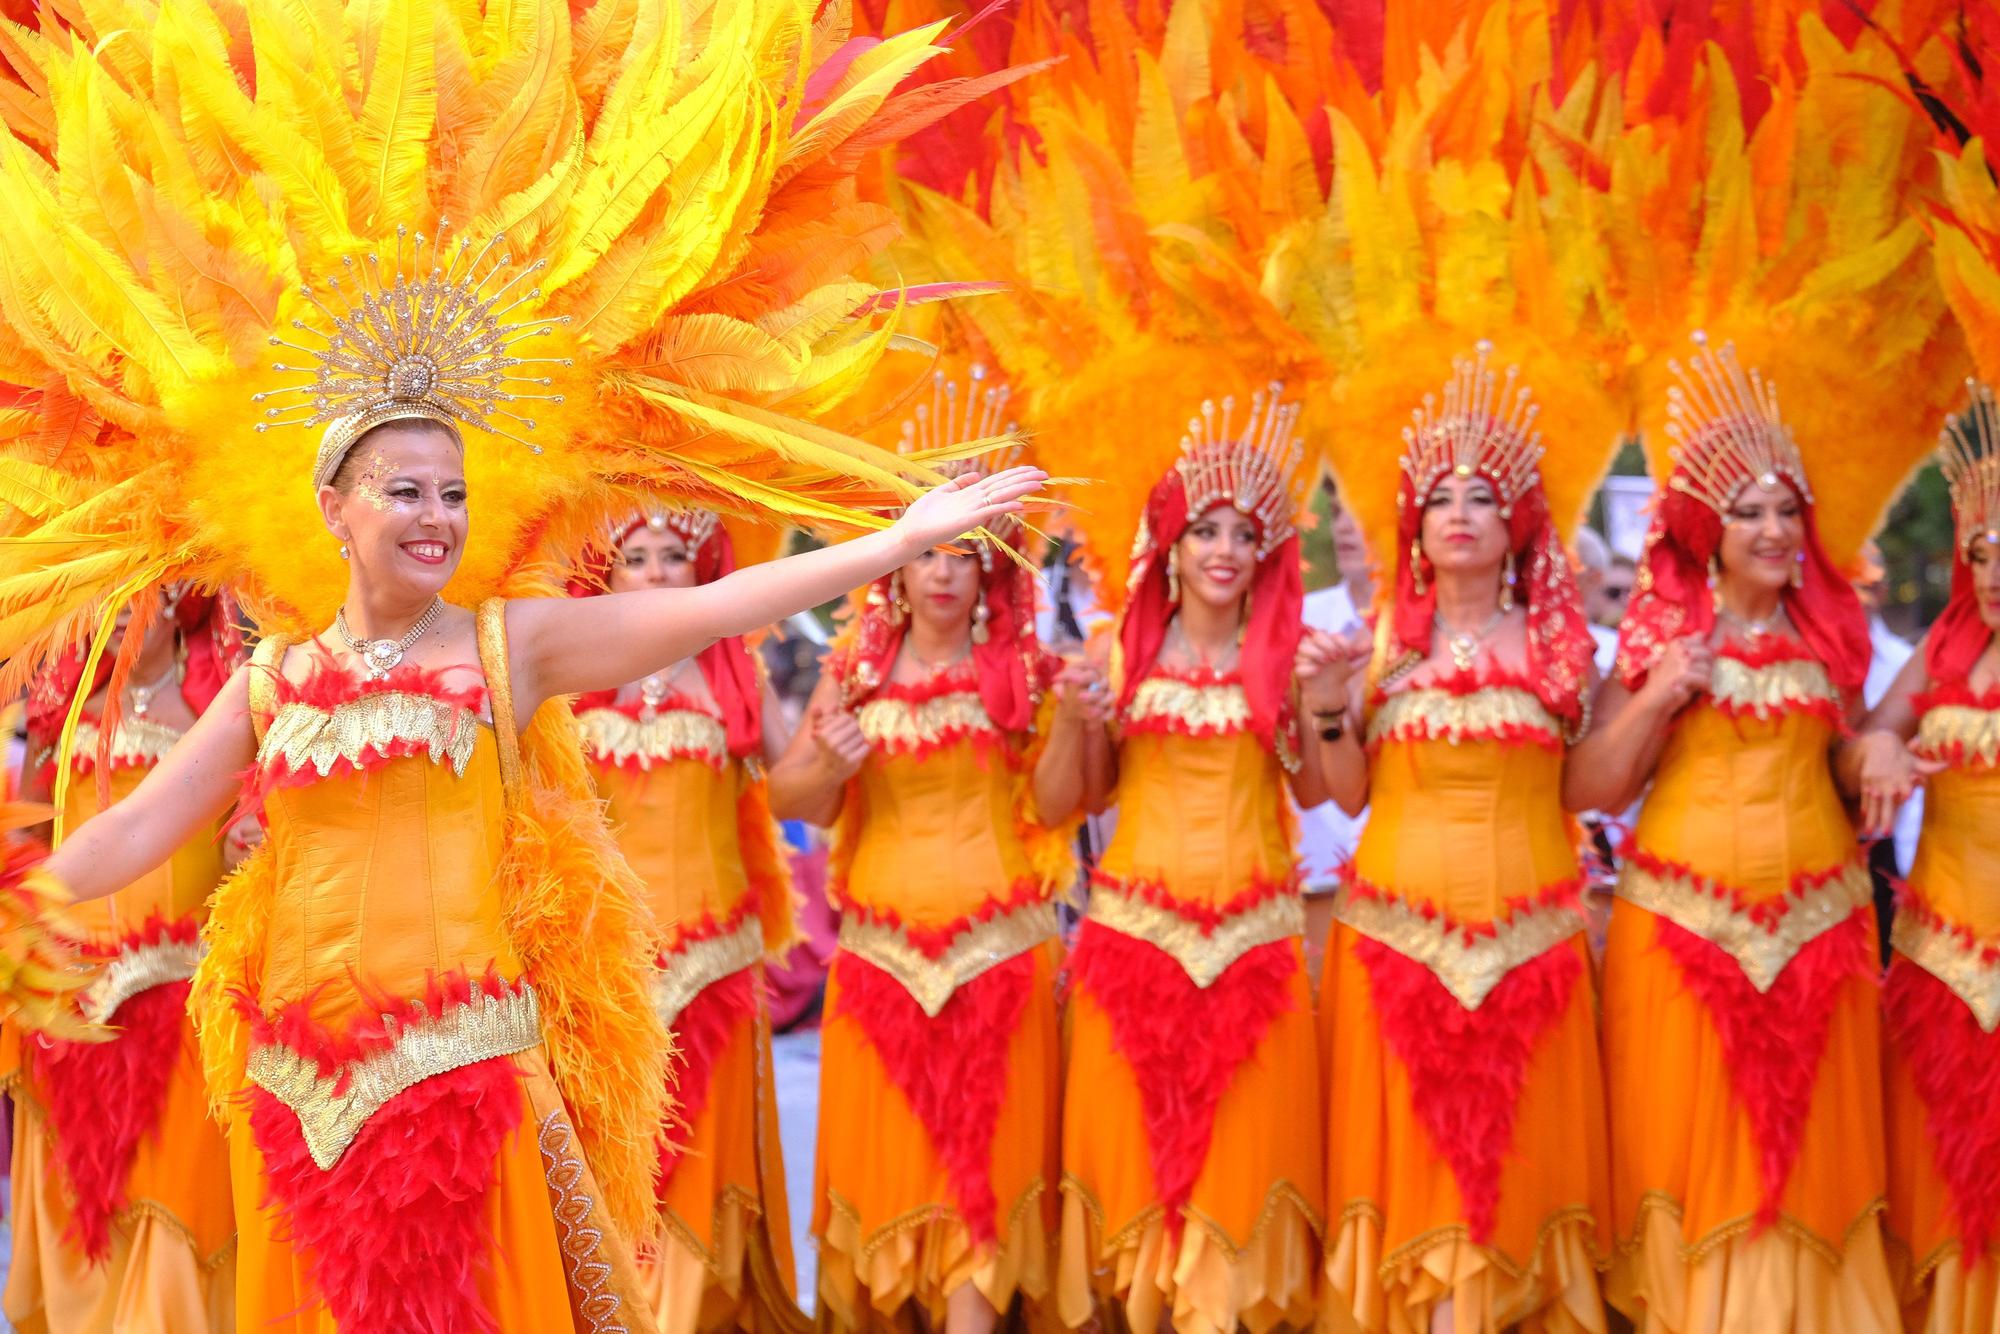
(173, 1262)
(1400, 1244)
(1247, 1247)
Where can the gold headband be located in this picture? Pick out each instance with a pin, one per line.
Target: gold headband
(1969, 456)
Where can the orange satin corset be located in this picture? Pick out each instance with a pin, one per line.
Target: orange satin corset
(672, 792)
(173, 891)
(1960, 849)
(1201, 804)
(933, 808)
(1743, 792)
(387, 877)
(1464, 796)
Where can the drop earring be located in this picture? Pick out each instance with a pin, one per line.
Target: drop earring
(343, 551)
(1799, 571)
(1173, 574)
(1507, 584)
(1715, 583)
(980, 615)
(1418, 583)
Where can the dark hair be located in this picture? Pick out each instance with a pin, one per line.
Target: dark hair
(344, 476)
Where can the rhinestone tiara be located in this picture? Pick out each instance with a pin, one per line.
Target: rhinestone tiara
(1485, 425)
(1251, 469)
(693, 526)
(1969, 456)
(1727, 430)
(429, 341)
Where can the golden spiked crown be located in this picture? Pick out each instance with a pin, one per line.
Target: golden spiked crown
(417, 343)
(1727, 430)
(1251, 469)
(1484, 425)
(692, 526)
(1969, 455)
(959, 413)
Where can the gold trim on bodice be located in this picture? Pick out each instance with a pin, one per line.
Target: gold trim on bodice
(466, 1033)
(1761, 945)
(700, 964)
(1206, 709)
(1770, 689)
(1967, 964)
(138, 968)
(1204, 954)
(1468, 960)
(1433, 713)
(306, 737)
(612, 736)
(138, 743)
(932, 980)
(902, 725)
(1963, 733)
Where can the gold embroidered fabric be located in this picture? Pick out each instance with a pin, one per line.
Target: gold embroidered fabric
(1203, 955)
(1208, 709)
(139, 968)
(1760, 948)
(138, 743)
(475, 1030)
(1970, 733)
(1771, 689)
(579, 1239)
(904, 725)
(1433, 714)
(1469, 963)
(1965, 964)
(932, 982)
(612, 736)
(700, 964)
(305, 737)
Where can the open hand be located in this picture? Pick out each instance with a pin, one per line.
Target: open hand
(954, 508)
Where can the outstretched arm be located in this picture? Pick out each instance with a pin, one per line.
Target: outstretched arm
(186, 793)
(565, 646)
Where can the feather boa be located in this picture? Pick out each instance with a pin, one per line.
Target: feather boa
(1955, 1066)
(1182, 1043)
(701, 1033)
(952, 1069)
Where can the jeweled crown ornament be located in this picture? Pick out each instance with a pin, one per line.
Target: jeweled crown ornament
(1251, 469)
(692, 526)
(431, 342)
(958, 413)
(1969, 456)
(1727, 430)
(1484, 426)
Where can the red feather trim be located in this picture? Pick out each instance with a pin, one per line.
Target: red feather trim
(952, 1069)
(1773, 1041)
(1955, 1065)
(701, 1031)
(1561, 894)
(1953, 694)
(934, 939)
(294, 1026)
(635, 708)
(707, 927)
(1467, 1067)
(1207, 916)
(1772, 652)
(1766, 912)
(102, 1098)
(1168, 724)
(1182, 1043)
(395, 1235)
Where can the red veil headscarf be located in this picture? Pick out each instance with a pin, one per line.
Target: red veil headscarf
(1969, 453)
(1251, 472)
(726, 665)
(1484, 430)
(1731, 435)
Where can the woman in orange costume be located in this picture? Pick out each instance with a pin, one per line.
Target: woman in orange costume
(942, 747)
(1940, 724)
(1465, 1118)
(1740, 1023)
(678, 757)
(1191, 1143)
(120, 1181)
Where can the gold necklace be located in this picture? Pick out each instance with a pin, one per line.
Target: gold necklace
(1464, 645)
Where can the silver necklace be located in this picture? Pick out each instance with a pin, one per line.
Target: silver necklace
(1758, 628)
(1464, 645)
(936, 669)
(653, 691)
(382, 656)
(141, 696)
(1223, 661)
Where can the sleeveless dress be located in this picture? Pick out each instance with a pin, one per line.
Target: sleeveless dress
(1741, 1030)
(1465, 1123)
(1942, 1007)
(692, 820)
(402, 1158)
(939, 1057)
(121, 1203)
(1192, 1167)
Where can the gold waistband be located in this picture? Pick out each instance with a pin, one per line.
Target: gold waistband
(700, 964)
(1760, 948)
(931, 981)
(1969, 965)
(305, 737)
(139, 968)
(614, 737)
(1204, 954)
(1770, 689)
(1470, 963)
(1964, 732)
(1436, 714)
(476, 1030)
